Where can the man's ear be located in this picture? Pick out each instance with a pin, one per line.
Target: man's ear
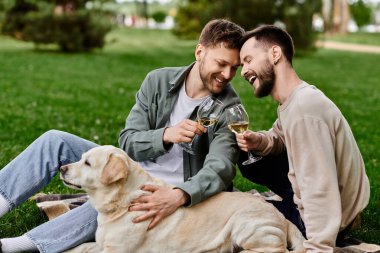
(276, 53)
(114, 170)
(199, 51)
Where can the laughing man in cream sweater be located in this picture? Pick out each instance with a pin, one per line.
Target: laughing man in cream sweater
(311, 158)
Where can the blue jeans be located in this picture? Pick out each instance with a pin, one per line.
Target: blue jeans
(33, 169)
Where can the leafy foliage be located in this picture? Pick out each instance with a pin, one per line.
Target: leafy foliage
(296, 15)
(298, 18)
(63, 22)
(159, 16)
(361, 13)
(191, 18)
(248, 14)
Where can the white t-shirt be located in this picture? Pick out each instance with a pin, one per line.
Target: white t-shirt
(169, 167)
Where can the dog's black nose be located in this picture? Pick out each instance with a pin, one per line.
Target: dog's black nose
(63, 169)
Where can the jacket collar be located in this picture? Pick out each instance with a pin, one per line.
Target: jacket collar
(177, 80)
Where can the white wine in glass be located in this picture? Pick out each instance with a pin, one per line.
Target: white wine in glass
(207, 115)
(238, 121)
(206, 122)
(238, 127)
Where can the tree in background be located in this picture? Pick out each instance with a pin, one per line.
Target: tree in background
(15, 20)
(4, 5)
(336, 15)
(361, 13)
(247, 13)
(191, 17)
(194, 14)
(159, 16)
(296, 15)
(64, 22)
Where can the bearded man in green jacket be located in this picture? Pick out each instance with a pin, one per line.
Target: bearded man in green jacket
(163, 117)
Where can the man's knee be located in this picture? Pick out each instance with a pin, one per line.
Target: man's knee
(55, 135)
(52, 134)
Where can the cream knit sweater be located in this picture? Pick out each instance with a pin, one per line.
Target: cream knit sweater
(326, 168)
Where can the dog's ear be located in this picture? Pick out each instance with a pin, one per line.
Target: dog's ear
(114, 170)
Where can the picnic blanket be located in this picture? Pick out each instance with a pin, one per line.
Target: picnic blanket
(54, 205)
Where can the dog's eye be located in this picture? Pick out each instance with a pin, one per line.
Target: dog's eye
(87, 163)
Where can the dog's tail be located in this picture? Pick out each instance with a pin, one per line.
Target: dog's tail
(295, 239)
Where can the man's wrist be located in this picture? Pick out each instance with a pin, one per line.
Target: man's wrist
(185, 198)
(167, 144)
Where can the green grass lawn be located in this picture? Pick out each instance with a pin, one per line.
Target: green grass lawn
(90, 95)
(358, 38)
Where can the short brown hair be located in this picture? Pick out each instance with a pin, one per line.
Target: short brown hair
(221, 31)
(269, 35)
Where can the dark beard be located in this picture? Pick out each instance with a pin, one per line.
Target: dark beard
(203, 76)
(266, 78)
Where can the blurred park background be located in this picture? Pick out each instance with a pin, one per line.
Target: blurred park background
(75, 65)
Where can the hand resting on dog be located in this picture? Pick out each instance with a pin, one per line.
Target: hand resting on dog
(162, 202)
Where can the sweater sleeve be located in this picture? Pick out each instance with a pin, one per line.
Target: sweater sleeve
(313, 159)
(272, 141)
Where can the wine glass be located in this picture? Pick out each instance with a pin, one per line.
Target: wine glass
(238, 121)
(207, 115)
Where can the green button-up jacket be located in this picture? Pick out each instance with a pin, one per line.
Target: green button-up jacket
(208, 172)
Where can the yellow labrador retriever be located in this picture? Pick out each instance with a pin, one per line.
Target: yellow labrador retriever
(227, 222)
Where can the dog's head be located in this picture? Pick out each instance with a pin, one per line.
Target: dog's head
(100, 166)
